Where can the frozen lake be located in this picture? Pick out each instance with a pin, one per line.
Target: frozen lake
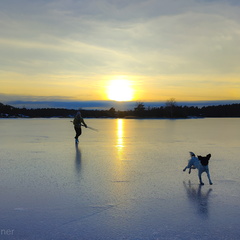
(124, 182)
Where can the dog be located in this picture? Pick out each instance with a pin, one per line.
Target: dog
(201, 163)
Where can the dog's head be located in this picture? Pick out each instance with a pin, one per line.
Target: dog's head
(204, 160)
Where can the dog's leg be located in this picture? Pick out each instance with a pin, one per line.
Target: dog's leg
(200, 177)
(186, 169)
(209, 179)
(188, 166)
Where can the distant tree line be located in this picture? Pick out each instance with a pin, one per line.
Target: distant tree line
(170, 110)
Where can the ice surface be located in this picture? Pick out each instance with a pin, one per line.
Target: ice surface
(123, 182)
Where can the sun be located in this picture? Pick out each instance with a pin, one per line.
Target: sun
(120, 90)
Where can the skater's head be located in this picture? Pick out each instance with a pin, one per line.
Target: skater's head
(78, 114)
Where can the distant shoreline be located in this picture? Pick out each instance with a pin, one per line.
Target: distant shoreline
(132, 118)
(172, 111)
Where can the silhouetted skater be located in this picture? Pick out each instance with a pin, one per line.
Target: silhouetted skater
(78, 122)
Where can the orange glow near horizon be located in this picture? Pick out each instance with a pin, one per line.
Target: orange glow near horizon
(119, 88)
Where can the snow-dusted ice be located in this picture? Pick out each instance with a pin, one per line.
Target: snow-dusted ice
(124, 182)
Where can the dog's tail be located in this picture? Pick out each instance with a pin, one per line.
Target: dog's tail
(192, 154)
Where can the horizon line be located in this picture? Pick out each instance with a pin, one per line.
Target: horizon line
(107, 104)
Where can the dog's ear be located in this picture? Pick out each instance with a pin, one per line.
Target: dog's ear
(209, 156)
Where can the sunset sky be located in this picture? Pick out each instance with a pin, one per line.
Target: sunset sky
(74, 49)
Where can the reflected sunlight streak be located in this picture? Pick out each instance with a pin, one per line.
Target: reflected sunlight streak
(120, 144)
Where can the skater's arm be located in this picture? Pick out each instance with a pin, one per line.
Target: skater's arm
(84, 124)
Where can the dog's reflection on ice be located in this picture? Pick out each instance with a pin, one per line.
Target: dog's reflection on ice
(198, 197)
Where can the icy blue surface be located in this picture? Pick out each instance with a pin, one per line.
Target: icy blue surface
(123, 182)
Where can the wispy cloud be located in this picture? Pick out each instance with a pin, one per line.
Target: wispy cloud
(94, 39)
